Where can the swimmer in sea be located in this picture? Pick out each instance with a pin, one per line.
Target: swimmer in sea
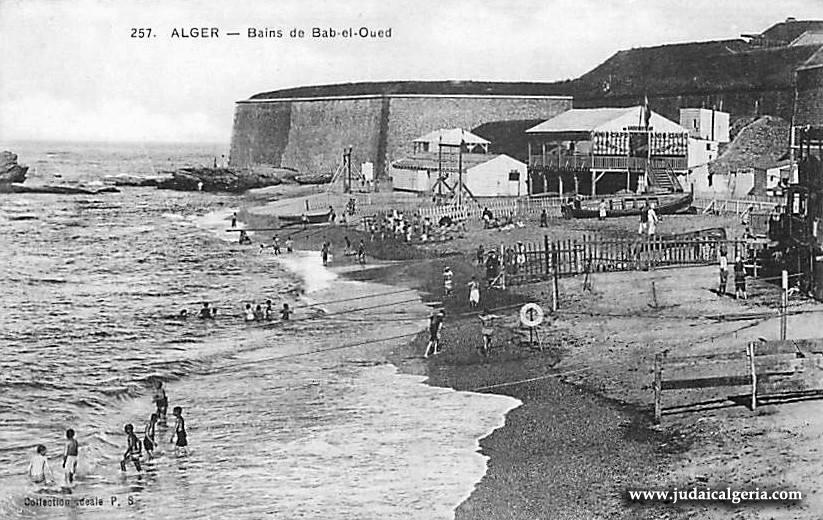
(160, 401)
(70, 457)
(205, 312)
(39, 471)
(184, 314)
(249, 313)
(286, 312)
(133, 449)
(269, 312)
(258, 313)
(179, 434)
(148, 436)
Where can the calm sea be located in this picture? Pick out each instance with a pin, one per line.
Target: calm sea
(282, 423)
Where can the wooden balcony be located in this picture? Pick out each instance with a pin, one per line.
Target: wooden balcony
(605, 162)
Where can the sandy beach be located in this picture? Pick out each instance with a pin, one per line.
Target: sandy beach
(584, 434)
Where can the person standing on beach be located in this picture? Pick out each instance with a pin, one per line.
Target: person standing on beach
(739, 279)
(276, 245)
(448, 281)
(160, 401)
(644, 220)
(724, 272)
(652, 221)
(133, 449)
(148, 436)
(234, 220)
(361, 252)
(289, 245)
(474, 293)
(601, 210)
(39, 470)
(70, 457)
(481, 254)
(435, 326)
(324, 253)
(304, 220)
(487, 331)
(179, 436)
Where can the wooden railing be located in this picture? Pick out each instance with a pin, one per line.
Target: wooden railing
(606, 162)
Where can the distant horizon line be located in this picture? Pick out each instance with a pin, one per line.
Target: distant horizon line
(94, 141)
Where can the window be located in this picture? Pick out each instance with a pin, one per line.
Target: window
(514, 175)
(708, 146)
(695, 124)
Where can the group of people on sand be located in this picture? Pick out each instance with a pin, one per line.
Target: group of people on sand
(39, 471)
(397, 225)
(260, 313)
(275, 245)
(436, 320)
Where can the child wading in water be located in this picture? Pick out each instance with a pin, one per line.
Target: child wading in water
(148, 436)
(39, 471)
(161, 401)
(133, 449)
(70, 457)
(179, 434)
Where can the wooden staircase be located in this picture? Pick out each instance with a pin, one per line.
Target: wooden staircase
(664, 179)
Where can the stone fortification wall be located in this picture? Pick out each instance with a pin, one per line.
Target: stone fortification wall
(411, 117)
(309, 135)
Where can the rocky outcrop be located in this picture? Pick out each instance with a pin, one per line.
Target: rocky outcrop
(58, 189)
(135, 180)
(10, 171)
(219, 179)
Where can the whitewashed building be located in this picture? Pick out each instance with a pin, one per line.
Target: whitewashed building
(438, 157)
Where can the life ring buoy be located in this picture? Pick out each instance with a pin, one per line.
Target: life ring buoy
(531, 315)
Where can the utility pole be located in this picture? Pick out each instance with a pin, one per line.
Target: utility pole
(348, 166)
(460, 174)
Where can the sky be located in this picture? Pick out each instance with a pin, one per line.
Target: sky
(71, 70)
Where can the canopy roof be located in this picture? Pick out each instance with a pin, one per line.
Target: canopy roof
(451, 137)
(605, 120)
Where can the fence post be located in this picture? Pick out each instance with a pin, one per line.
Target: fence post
(784, 305)
(555, 285)
(658, 383)
(654, 295)
(750, 352)
(546, 253)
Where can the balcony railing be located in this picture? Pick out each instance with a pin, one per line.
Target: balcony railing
(606, 162)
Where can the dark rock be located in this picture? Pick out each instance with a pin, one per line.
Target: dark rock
(10, 171)
(219, 179)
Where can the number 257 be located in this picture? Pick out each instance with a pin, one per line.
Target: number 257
(140, 33)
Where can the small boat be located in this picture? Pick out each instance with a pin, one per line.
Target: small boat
(312, 218)
(664, 204)
(313, 178)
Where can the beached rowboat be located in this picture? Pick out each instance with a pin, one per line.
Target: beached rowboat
(665, 204)
(312, 218)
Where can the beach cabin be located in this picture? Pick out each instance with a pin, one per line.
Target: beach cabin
(596, 151)
(439, 157)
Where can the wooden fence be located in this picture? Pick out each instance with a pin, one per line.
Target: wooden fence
(531, 262)
(772, 369)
